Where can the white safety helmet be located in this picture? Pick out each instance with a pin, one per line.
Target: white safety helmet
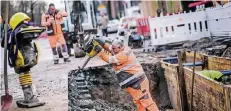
(118, 41)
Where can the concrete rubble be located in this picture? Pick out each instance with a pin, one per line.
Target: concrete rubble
(211, 46)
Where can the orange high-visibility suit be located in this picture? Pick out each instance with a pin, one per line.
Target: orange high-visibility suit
(131, 76)
(55, 29)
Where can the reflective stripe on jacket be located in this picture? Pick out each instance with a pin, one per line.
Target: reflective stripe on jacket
(57, 27)
(126, 66)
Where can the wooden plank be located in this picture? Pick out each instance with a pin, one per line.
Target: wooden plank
(209, 95)
(206, 91)
(192, 84)
(189, 56)
(219, 63)
(228, 98)
(181, 82)
(171, 72)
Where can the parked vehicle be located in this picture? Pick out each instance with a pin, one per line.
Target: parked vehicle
(135, 39)
(125, 22)
(113, 25)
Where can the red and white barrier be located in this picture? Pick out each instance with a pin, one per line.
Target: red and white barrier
(191, 26)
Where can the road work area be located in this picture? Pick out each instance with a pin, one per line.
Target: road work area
(94, 89)
(50, 82)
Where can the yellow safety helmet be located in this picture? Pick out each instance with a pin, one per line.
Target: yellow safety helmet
(17, 18)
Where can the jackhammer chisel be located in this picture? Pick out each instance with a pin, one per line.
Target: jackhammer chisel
(90, 50)
(84, 64)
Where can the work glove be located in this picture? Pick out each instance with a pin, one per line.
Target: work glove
(97, 48)
(100, 41)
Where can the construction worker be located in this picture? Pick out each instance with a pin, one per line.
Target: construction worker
(129, 72)
(54, 22)
(103, 23)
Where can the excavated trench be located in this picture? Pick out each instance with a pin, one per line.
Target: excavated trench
(96, 89)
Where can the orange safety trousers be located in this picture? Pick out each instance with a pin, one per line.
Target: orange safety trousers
(56, 38)
(142, 97)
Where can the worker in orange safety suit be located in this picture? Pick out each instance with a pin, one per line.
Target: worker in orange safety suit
(54, 22)
(129, 72)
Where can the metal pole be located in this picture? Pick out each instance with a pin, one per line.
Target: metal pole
(5, 47)
(1, 22)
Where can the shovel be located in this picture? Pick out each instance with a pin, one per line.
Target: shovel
(7, 99)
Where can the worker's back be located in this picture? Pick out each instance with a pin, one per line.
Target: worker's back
(131, 59)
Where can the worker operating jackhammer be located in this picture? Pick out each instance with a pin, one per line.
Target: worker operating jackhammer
(54, 22)
(129, 72)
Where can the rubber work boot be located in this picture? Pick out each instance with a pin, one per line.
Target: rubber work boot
(60, 52)
(56, 59)
(66, 57)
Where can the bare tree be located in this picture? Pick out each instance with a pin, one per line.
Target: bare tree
(39, 9)
(33, 8)
(3, 9)
(32, 4)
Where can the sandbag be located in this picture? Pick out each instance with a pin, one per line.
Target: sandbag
(79, 52)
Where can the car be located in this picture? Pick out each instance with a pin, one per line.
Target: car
(126, 23)
(135, 40)
(113, 26)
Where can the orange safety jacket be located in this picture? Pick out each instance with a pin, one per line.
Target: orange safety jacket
(126, 66)
(57, 27)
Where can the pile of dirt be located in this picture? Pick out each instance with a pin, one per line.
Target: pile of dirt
(106, 94)
(218, 46)
(211, 46)
(227, 52)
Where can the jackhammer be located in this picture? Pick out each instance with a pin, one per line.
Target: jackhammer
(90, 49)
